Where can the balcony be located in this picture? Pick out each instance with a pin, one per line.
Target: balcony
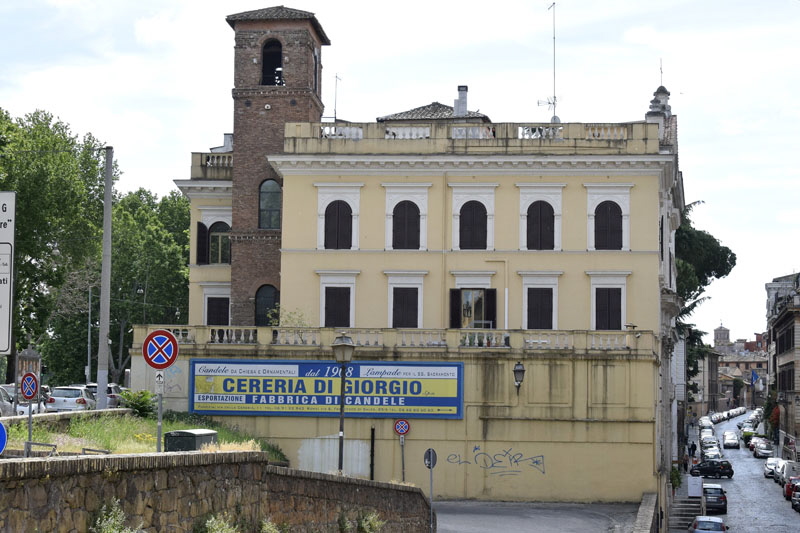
(212, 166)
(279, 342)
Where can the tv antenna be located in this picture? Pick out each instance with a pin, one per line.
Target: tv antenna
(552, 100)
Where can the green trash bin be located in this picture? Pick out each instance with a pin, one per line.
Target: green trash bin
(186, 440)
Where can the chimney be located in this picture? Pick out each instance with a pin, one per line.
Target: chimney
(460, 105)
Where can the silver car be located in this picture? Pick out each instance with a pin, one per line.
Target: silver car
(70, 399)
(6, 403)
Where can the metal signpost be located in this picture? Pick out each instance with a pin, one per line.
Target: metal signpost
(30, 390)
(160, 350)
(402, 427)
(430, 462)
(7, 215)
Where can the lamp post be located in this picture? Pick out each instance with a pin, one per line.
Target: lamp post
(343, 348)
(519, 375)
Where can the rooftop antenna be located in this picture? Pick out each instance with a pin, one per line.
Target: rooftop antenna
(335, 93)
(552, 101)
(661, 70)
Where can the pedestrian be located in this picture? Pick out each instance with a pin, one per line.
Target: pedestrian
(692, 448)
(685, 461)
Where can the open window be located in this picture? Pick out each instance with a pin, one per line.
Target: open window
(473, 308)
(272, 63)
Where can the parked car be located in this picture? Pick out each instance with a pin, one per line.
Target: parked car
(711, 453)
(712, 468)
(70, 399)
(730, 440)
(796, 500)
(715, 498)
(787, 470)
(763, 449)
(6, 403)
(769, 466)
(707, 523)
(112, 394)
(790, 487)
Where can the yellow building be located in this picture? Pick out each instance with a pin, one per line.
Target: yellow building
(452, 250)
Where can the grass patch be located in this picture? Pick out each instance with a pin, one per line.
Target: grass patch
(132, 434)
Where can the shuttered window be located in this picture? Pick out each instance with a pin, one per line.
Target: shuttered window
(217, 311)
(338, 226)
(541, 226)
(472, 226)
(608, 309)
(405, 226)
(608, 226)
(337, 307)
(540, 308)
(404, 307)
(473, 308)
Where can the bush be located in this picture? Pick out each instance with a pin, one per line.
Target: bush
(675, 478)
(112, 520)
(143, 402)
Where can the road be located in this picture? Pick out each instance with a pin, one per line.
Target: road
(755, 503)
(530, 517)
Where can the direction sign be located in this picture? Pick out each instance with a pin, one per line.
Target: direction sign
(3, 438)
(159, 382)
(401, 427)
(160, 349)
(8, 202)
(29, 386)
(430, 458)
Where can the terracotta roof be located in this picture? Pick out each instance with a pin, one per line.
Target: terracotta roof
(279, 13)
(433, 111)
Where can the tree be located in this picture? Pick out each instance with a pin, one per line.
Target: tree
(58, 181)
(699, 259)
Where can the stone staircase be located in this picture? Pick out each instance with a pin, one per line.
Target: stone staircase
(684, 509)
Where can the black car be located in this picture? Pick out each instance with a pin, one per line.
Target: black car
(713, 468)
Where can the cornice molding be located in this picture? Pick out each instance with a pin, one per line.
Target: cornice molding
(299, 164)
(204, 189)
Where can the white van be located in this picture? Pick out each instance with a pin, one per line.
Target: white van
(787, 470)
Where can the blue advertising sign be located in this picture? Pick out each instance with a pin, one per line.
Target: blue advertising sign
(374, 389)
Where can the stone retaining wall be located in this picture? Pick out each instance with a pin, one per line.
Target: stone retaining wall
(176, 491)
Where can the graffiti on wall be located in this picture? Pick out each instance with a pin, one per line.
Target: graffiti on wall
(503, 463)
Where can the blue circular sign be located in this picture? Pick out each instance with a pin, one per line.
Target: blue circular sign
(3, 438)
(160, 349)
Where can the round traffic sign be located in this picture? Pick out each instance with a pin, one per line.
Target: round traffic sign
(160, 349)
(401, 427)
(29, 386)
(3, 438)
(430, 458)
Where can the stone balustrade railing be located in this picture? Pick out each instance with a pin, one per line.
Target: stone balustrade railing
(277, 338)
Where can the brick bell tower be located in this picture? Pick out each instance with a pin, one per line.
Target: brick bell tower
(277, 79)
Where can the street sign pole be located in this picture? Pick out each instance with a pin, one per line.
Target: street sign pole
(160, 350)
(401, 427)
(29, 388)
(403, 455)
(430, 462)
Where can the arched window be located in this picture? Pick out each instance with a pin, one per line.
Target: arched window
(338, 226)
(272, 63)
(405, 226)
(472, 226)
(267, 299)
(608, 226)
(269, 205)
(219, 243)
(541, 226)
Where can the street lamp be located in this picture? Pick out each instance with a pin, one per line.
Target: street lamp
(519, 375)
(343, 348)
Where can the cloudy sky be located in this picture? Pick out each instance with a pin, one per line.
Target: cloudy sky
(153, 78)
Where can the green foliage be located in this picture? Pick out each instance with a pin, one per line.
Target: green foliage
(141, 401)
(700, 258)
(344, 523)
(738, 385)
(218, 524)
(287, 318)
(369, 523)
(675, 478)
(111, 519)
(58, 180)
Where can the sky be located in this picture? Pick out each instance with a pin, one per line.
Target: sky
(153, 78)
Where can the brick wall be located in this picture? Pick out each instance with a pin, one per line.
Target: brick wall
(176, 491)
